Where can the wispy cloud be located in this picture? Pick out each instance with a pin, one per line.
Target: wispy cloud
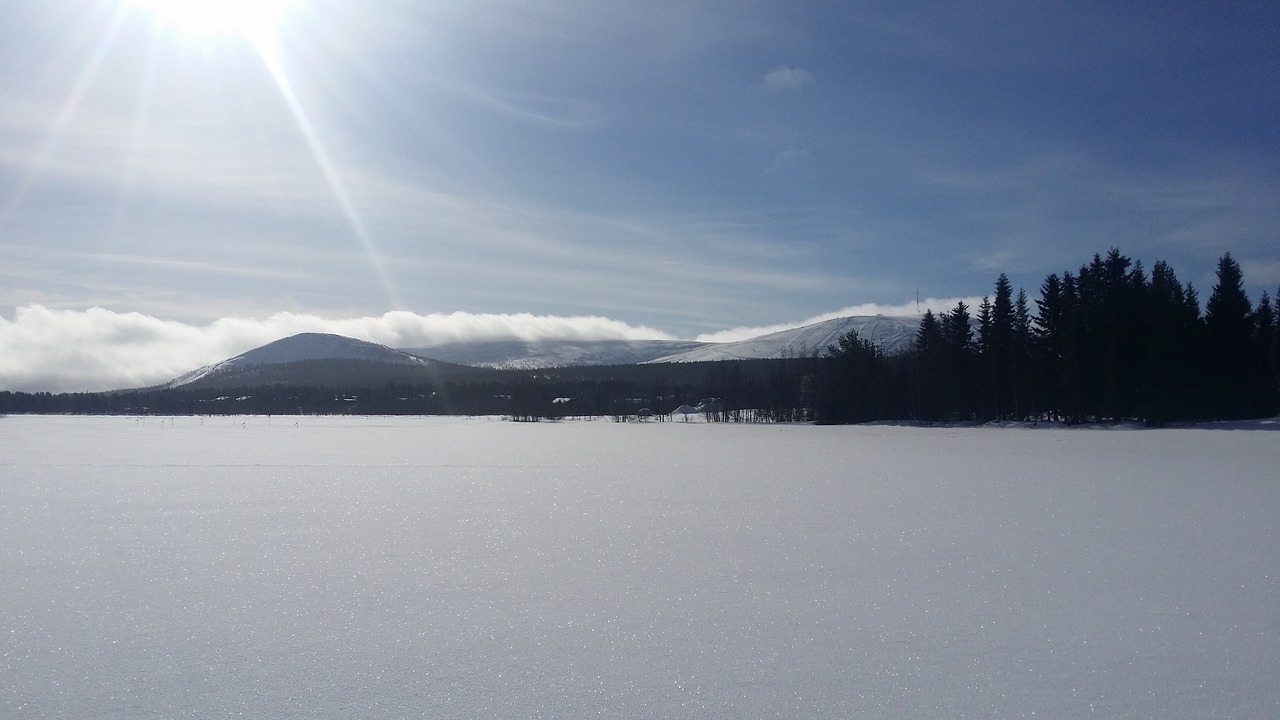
(1262, 272)
(786, 78)
(562, 113)
(44, 349)
(907, 309)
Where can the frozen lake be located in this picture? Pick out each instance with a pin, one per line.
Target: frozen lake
(472, 568)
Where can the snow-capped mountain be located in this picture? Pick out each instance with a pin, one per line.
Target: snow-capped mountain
(320, 358)
(525, 355)
(892, 334)
(300, 348)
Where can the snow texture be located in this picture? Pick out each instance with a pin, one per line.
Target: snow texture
(472, 568)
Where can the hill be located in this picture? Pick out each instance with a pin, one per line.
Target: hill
(312, 358)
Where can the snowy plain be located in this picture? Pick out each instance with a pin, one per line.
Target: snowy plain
(473, 568)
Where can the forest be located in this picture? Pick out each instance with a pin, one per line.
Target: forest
(1109, 342)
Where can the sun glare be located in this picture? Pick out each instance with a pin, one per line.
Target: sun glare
(208, 17)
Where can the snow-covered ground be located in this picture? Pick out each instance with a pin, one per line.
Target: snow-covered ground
(472, 568)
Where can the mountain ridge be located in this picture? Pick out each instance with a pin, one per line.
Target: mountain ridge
(328, 355)
(536, 354)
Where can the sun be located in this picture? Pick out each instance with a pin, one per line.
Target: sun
(253, 18)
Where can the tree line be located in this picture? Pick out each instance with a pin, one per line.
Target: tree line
(773, 390)
(1107, 342)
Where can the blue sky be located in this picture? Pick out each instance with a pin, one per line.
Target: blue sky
(652, 168)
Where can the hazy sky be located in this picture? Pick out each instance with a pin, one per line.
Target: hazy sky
(657, 168)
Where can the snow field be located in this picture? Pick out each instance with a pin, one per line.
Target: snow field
(447, 567)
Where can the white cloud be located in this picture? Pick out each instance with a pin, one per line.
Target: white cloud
(1261, 272)
(907, 309)
(786, 78)
(44, 349)
(998, 260)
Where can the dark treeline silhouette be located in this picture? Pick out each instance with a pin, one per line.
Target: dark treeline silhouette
(757, 390)
(1109, 342)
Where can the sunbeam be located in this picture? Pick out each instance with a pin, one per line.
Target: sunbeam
(267, 49)
(137, 136)
(66, 113)
(257, 21)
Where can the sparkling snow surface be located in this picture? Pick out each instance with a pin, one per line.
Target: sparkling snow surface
(473, 568)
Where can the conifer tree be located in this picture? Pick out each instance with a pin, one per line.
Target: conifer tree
(852, 388)
(930, 367)
(1048, 343)
(986, 333)
(1169, 382)
(995, 338)
(957, 329)
(1264, 349)
(929, 336)
(1229, 325)
(957, 361)
(1111, 335)
(1228, 308)
(988, 350)
(1020, 356)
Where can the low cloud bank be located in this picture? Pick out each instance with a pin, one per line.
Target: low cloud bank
(43, 349)
(907, 309)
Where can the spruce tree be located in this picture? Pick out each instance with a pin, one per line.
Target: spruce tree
(930, 367)
(957, 359)
(1048, 341)
(1264, 349)
(1169, 381)
(1020, 357)
(996, 320)
(989, 347)
(957, 329)
(1229, 324)
(1071, 383)
(852, 387)
(929, 336)
(1228, 308)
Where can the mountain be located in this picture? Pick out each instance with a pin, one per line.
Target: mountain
(527, 355)
(335, 360)
(315, 351)
(892, 334)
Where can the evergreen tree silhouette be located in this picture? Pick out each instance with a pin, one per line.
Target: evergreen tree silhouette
(1229, 324)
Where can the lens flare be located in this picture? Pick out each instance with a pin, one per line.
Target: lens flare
(207, 17)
